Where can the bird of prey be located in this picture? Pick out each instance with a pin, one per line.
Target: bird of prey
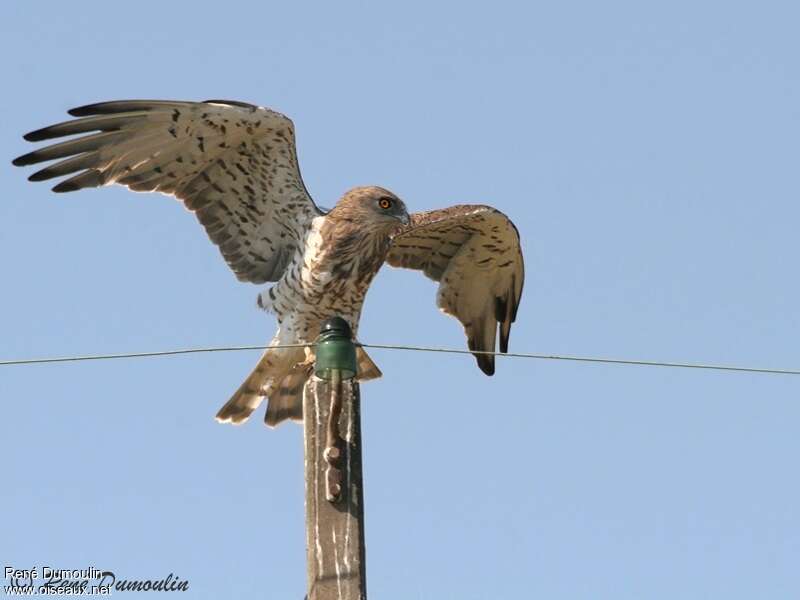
(235, 166)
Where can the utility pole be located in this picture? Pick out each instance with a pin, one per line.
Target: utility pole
(334, 485)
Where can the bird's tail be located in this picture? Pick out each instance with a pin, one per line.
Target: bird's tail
(366, 368)
(286, 400)
(271, 368)
(281, 379)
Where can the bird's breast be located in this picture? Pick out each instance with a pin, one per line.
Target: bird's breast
(326, 278)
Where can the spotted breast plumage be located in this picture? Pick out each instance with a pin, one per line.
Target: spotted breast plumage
(235, 166)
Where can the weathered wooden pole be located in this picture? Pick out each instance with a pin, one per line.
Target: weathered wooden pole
(334, 486)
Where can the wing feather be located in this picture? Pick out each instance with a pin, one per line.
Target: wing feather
(234, 164)
(474, 253)
(75, 126)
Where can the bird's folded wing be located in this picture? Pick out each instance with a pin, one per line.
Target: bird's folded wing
(233, 164)
(474, 252)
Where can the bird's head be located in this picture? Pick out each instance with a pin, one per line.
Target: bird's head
(374, 205)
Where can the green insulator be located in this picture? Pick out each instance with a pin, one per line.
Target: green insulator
(335, 350)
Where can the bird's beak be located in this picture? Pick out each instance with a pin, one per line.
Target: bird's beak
(404, 219)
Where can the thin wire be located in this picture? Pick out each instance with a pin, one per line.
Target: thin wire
(37, 361)
(614, 361)
(590, 359)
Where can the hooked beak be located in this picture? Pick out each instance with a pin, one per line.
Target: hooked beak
(405, 219)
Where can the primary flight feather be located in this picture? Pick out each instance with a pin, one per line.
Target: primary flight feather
(235, 166)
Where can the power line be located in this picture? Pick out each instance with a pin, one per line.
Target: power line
(588, 359)
(38, 361)
(591, 359)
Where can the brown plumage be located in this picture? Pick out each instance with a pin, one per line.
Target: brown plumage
(474, 253)
(235, 166)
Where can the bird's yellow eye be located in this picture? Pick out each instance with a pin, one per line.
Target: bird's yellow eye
(385, 203)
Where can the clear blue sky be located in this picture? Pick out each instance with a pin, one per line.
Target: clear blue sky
(648, 154)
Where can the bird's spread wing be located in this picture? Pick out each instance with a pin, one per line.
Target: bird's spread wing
(474, 252)
(233, 164)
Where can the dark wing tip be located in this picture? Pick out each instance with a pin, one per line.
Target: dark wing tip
(36, 136)
(25, 160)
(50, 132)
(116, 106)
(486, 363)
(87, 110)
(238, 103)
(66, 186)
(504, 335)
(39, 176)
(88, 178)
(504, 309)
(98, 108)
